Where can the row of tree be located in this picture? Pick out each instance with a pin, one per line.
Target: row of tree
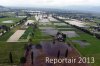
(5, 28)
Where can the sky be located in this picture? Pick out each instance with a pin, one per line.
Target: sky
(50, 3)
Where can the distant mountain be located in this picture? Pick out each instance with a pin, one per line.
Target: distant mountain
(2, 8)
(94, 9)
(86, 9)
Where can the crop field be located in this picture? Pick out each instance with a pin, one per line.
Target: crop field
(92, 49)
(7, 14)
(8, 21)
(97, 20)
(17, 50)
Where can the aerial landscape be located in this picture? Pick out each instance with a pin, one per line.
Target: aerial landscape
(49, 33)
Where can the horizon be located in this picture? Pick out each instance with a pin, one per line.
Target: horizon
(75, 5)
(49, 3)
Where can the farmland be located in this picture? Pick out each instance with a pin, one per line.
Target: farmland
(44, 30)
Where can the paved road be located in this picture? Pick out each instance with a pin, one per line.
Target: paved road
(15, 37)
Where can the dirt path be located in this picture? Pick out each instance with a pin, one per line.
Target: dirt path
(15, 37)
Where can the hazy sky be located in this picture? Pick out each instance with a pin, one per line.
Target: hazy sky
(56, 3)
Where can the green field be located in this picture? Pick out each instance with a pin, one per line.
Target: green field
(28, 31)
(37, 37)
(32, 18)
(9, 33)
(17, 50)
(7, 14)
(15, 20)
(97, 20)
(92, 50)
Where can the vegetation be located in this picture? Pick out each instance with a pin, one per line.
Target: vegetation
(38, 36)
(5, 36)
(15, 20)
(67, 26)
(92, 50)
(32, 18)
(17, 50)
(97, 20)
(28, 31)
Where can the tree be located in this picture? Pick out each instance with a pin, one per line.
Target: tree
(22, 60)
(32, 57)
(10, 57)
(58, 54)
(64, 37)
(66, 53)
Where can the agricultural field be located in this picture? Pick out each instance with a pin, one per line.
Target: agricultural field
(92, 49)
(9, 14)
(87, 45)
(17, 50)
(32, 18)
(97, 20)
(9, 33)
(44, 30)
(8, 21)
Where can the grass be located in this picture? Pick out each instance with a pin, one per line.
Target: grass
(17, 50)
(67, 26)
(9, 18)
(67, 29)
(97, 20)
(38, 36)
(56, 22)
(32, 18)
(6, 36)
(92, 50)
(1, 30)
(45, 25)
(27, 32)
(7, 14)
(9, 33)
